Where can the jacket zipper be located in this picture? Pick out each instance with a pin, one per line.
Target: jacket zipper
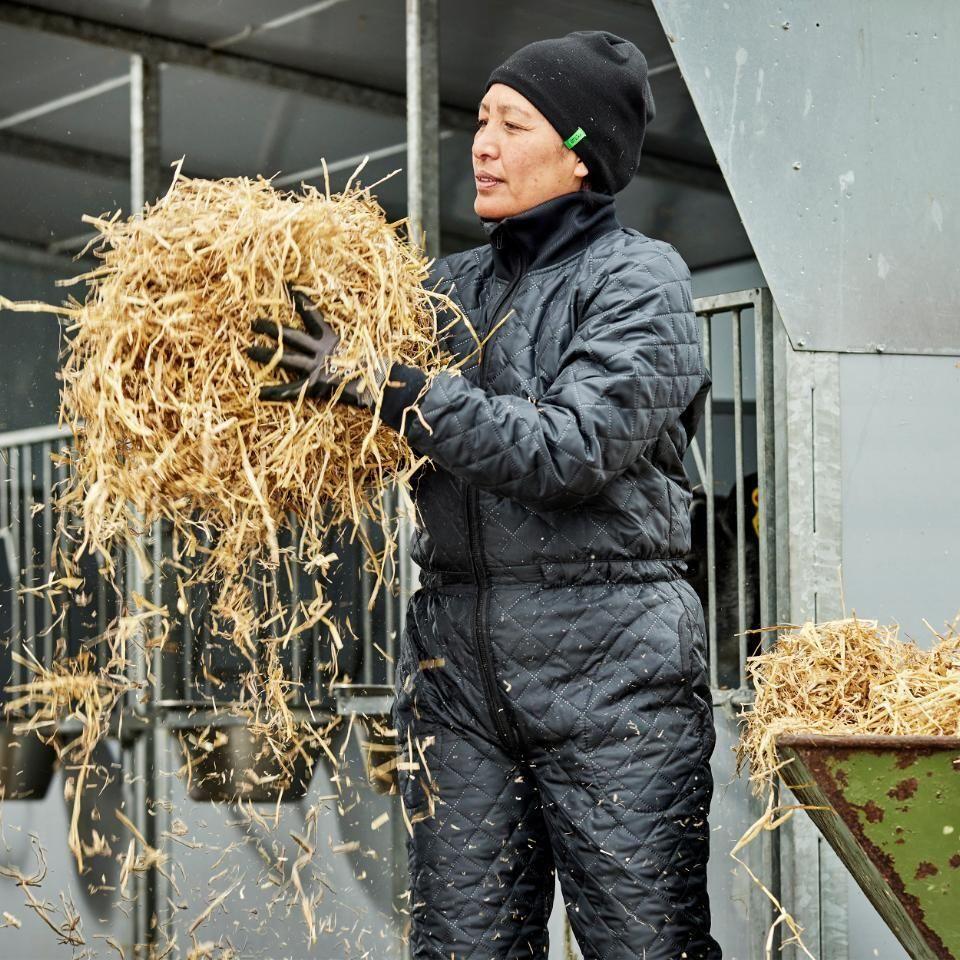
(488, 676)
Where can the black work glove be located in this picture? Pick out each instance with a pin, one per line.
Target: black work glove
(306, 353)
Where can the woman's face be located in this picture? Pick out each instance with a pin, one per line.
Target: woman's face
(519, 160)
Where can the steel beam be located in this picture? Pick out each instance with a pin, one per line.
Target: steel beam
(145, 183)
(423, 130)
(64, 155)
(255, 29)
(144, 756)
(168, 50)
(31, 255)
(61, 103)
(350, 163)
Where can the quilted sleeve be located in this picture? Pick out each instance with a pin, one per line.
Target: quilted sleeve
(633, 367)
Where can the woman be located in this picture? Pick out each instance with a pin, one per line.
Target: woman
(553, 665)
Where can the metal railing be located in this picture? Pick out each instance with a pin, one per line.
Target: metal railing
(740, 570)
(195, 669)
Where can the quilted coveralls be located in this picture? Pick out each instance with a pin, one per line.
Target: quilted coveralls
(553, 667)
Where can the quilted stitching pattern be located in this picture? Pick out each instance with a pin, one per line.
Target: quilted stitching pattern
(576, 446)
(612, 792)
(576, 443)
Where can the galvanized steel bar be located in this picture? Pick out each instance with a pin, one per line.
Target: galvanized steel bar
(348, 163)
(144, 166)
(423, 194)
(711, 515)
(46, 486)
(28, 561)
(144, 132)
(766, 462)
(15, 438)
(423, 128)
(61, 103)
(291, 569)
(13, 460)
(60, 476)
(741, 519)
(156, 598)
(366, 619)
(255, 29)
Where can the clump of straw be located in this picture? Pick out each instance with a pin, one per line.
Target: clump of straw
(846, 677)
(163, 399)
(169, 430)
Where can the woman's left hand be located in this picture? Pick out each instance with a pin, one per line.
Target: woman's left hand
(305, 352)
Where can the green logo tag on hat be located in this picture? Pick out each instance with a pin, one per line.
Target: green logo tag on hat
(574, 138)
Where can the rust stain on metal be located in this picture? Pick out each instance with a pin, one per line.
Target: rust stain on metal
(925, 869)
(873, 812)
(955, 861)
(814, 753)
(904, 790)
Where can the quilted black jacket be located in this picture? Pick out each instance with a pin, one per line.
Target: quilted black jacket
(560, 445)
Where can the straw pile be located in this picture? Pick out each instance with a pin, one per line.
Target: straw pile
(163, 398)
(847, 677)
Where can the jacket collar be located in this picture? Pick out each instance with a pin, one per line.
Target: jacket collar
(549, 232)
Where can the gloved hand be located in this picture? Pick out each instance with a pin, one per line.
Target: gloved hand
(306, 353)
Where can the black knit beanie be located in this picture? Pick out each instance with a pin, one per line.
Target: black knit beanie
(592, 87)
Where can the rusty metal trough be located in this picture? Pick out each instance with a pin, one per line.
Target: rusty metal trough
(890, 808)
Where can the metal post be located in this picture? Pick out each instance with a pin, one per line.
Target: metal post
(423, 178)
(712, 647)
(141, 757)
(763, 321)
(738, 472)
(13, 460)
(144, 131)
(46, 467)
(423, 210)
(28, 560)
(766, 462)
(423, 128)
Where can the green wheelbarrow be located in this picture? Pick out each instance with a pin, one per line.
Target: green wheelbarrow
(890, 808)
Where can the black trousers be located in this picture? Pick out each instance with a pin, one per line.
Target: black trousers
(589, 759)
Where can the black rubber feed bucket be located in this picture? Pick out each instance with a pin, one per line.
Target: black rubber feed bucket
(26, 764)
(230, 762)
